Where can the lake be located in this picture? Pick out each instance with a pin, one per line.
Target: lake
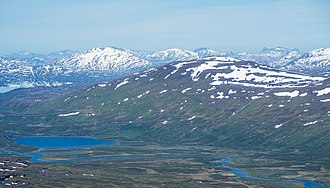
(9, 133)
(61, 142)
(51, 144)
(6, 89)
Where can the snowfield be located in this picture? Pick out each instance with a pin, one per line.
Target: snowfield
(225, 70)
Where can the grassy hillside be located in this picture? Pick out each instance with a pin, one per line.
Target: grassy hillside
(166, 105)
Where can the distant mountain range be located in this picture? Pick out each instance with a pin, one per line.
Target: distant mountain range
(292, 59)
(98, 64)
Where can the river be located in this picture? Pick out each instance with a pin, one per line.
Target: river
(241, 173)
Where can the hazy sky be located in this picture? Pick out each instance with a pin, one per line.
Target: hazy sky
(236, 25)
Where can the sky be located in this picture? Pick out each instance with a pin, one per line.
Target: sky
(227, 25)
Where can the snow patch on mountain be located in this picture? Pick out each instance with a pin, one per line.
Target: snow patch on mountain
(310, 123)
(224, 70)
(69, 114)
(288, 94)
(278, 126)
(126, 81)
(324, 91)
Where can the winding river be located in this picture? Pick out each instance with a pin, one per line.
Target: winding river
(240, 173)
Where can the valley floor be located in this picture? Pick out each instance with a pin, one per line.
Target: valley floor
(140, 164)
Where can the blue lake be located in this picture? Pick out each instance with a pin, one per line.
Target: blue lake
(9, 133)
(53, 143)
(6, 89)
(61, 142)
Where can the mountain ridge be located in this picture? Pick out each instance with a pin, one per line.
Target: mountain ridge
(98, 64)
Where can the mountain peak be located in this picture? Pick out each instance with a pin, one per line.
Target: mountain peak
(106, 59)
(24, 53)
(278, 50)
(173, 54)
(104, 49)
(207, 52)
(321, 52)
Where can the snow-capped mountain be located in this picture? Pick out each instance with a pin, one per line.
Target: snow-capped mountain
(288, 59)
(35, 59)
(32, 69)
(166, 56)
(92, 66)
(109, 59)
(107, 63)
(267, 55)
(316, 60)
(207, 52)
(14, 71)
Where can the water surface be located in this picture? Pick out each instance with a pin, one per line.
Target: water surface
(9, 133)
(6, 89)
(241, 173)
(61, 142)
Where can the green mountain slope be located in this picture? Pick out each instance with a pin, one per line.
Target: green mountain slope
(218, 101)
